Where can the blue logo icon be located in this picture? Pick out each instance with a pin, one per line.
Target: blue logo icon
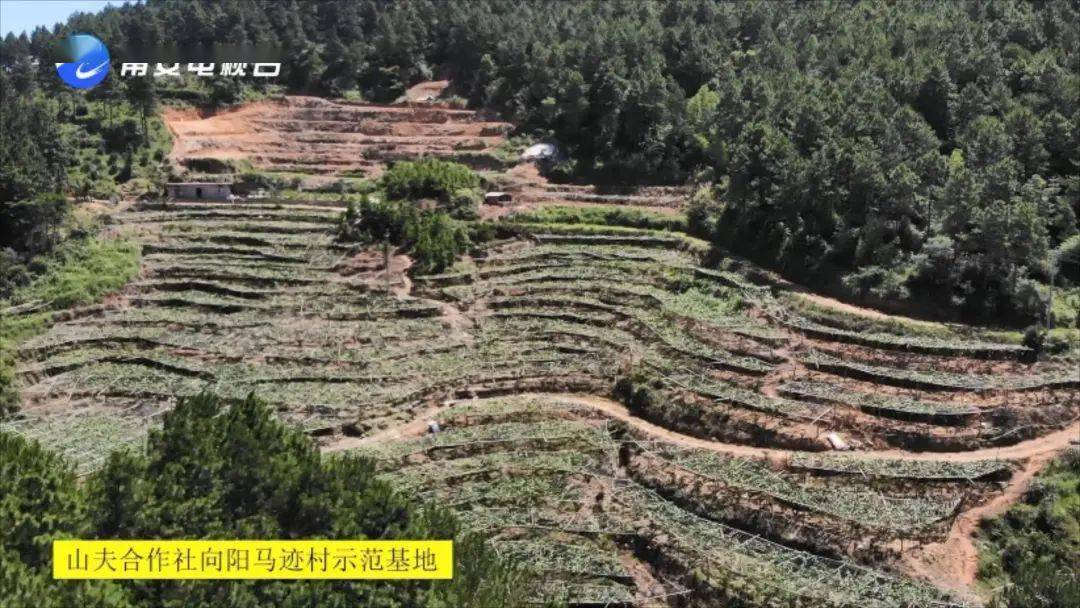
(89, 61)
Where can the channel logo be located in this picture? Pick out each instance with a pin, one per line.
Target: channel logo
(89, 62)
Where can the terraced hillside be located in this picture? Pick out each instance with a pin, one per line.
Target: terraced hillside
(640, 429)
(531, 191)
(310, 135)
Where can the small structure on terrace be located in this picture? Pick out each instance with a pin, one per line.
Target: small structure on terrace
(498, 198)
(540, 153)
(218, 191)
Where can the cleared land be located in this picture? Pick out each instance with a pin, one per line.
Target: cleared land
(716, 478)
(310, 135)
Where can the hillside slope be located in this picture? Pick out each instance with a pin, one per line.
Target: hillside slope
(714, 476)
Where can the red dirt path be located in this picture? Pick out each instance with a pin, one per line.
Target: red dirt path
(950, 565)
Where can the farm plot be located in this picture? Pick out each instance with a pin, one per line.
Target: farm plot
(942, 381)
(610, 510)
(836, 501)
(240, 308)
(721, 361)
(308, 135)
(902, 469)
(84, 433)
(886, 406)
(531, 483)
(547, 484)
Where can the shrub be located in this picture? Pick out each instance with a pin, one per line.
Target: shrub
(464, 204)
(369, 221)
(458, 102)
(9, 395)
(1035, 338)
(482, 232)
(433, 238)
(635, 392)
(249, 182)
(211, 165)
(80, 271)
(428, 178)
(624, 390)
(1032, 551)
(701, 214)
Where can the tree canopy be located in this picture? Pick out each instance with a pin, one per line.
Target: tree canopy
(222, 472)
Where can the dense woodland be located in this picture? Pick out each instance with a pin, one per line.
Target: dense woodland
(894, 151)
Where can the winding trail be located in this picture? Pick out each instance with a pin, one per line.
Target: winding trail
(1045, 446)
(951, 564)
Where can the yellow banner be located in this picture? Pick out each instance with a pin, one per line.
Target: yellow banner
(253, 559)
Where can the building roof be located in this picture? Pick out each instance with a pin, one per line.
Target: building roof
(198, 184)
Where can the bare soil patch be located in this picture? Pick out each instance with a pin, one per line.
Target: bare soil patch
(309, 135)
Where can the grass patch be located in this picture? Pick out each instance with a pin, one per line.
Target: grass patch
(606, 215)
(891, 324)
(78, 272)
(1032, 552)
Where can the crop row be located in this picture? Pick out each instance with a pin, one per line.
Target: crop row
(246, 333)
(667, 334)
(919, 344)
(666, 257)
(267, 240)
(865, 507)
(284, 214)
(940, 380)
(281, 256)
(247, 206)
(614, 283)
(853, 464)
(591, 234)
(880, 404)
(259, 227)
(241, 274)
(650, 326)
(342, 306)
(537, 487)
(712, 388)
(451, 471)
(732, 557)
(513, 405)
(502, 433)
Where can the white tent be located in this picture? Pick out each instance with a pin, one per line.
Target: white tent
(539, 152)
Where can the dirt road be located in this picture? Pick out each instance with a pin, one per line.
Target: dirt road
(1042, 448)
(950, 565)
(1048, 444)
